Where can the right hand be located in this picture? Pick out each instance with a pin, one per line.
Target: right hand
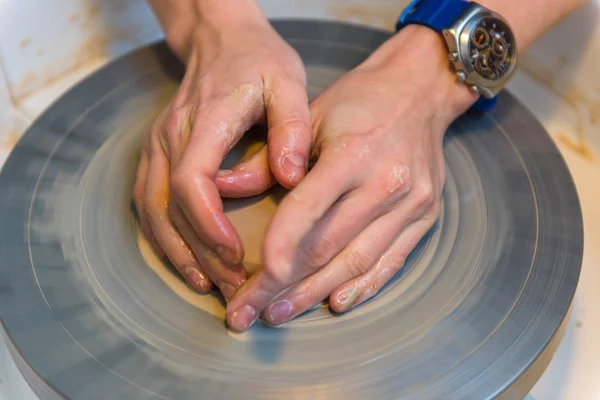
(237, 76)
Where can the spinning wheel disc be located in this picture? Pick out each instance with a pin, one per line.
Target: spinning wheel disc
(475, 313)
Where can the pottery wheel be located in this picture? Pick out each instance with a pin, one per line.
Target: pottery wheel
(476, 312)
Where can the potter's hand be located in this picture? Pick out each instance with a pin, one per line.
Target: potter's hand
(238, 74)
(374, 191)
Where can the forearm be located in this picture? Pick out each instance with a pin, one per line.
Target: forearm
(531, 19)
(180, 18)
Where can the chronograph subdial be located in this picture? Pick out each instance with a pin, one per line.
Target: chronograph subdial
(490, 49)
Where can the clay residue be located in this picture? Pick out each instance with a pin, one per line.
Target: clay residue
(25, 43)
(578, 324)
(369, 14)
(73, 18)
(575, 96)
(39, 53)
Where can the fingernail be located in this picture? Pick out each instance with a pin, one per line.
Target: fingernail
(193, 277)
(243, 318)
(292, 163)
(279, 311)
(227, 290)
(294, 160)
(227, 255)
(348, 298)
(224, 172)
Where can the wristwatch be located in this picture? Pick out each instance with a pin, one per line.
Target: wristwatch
(481, 45)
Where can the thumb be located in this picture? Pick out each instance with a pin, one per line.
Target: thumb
(249, 178)
(290, 132)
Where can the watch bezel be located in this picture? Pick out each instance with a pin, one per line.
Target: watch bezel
(458, 38)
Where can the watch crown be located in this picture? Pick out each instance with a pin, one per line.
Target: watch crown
(461, 76)
(453, 56)
(474, 88)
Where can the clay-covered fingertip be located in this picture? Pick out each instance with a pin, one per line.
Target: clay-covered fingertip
(241, 319)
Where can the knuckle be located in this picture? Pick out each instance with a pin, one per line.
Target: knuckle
(354, 144)
(357, 262)
(175, 129)
(296, 124)
(319, 252)
(436, 209)
(424, 194)
(304, 205)
(397, 261)
(277, 277)
(174, 120)
(179, 182)
(277, 265)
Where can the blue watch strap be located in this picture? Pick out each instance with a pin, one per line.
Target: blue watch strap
(435, 14)
(439, 15)
(484, 104)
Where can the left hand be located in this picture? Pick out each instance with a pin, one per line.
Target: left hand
(374, 191)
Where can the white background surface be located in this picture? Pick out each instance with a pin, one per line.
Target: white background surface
(47, 46)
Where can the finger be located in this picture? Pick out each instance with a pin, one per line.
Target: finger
(227, 279)
(216, 130)
(346, 219)
(355, 260)
(297, 214)
(329, 182)
(156, 202)
(290, 131)
(138, 199)
(249, 178)
(366, 286)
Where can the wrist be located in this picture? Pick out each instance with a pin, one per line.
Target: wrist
(419, 54)
(225, 14)
(216, 18)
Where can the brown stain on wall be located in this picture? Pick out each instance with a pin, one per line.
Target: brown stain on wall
(24, 43)
(11, 140)
(578, 146)
(570, 93)
(27, 80)
(368, 14)
(88, 52)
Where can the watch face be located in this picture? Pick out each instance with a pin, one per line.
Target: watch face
(491, 48)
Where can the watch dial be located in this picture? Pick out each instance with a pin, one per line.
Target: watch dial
(491, 48)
